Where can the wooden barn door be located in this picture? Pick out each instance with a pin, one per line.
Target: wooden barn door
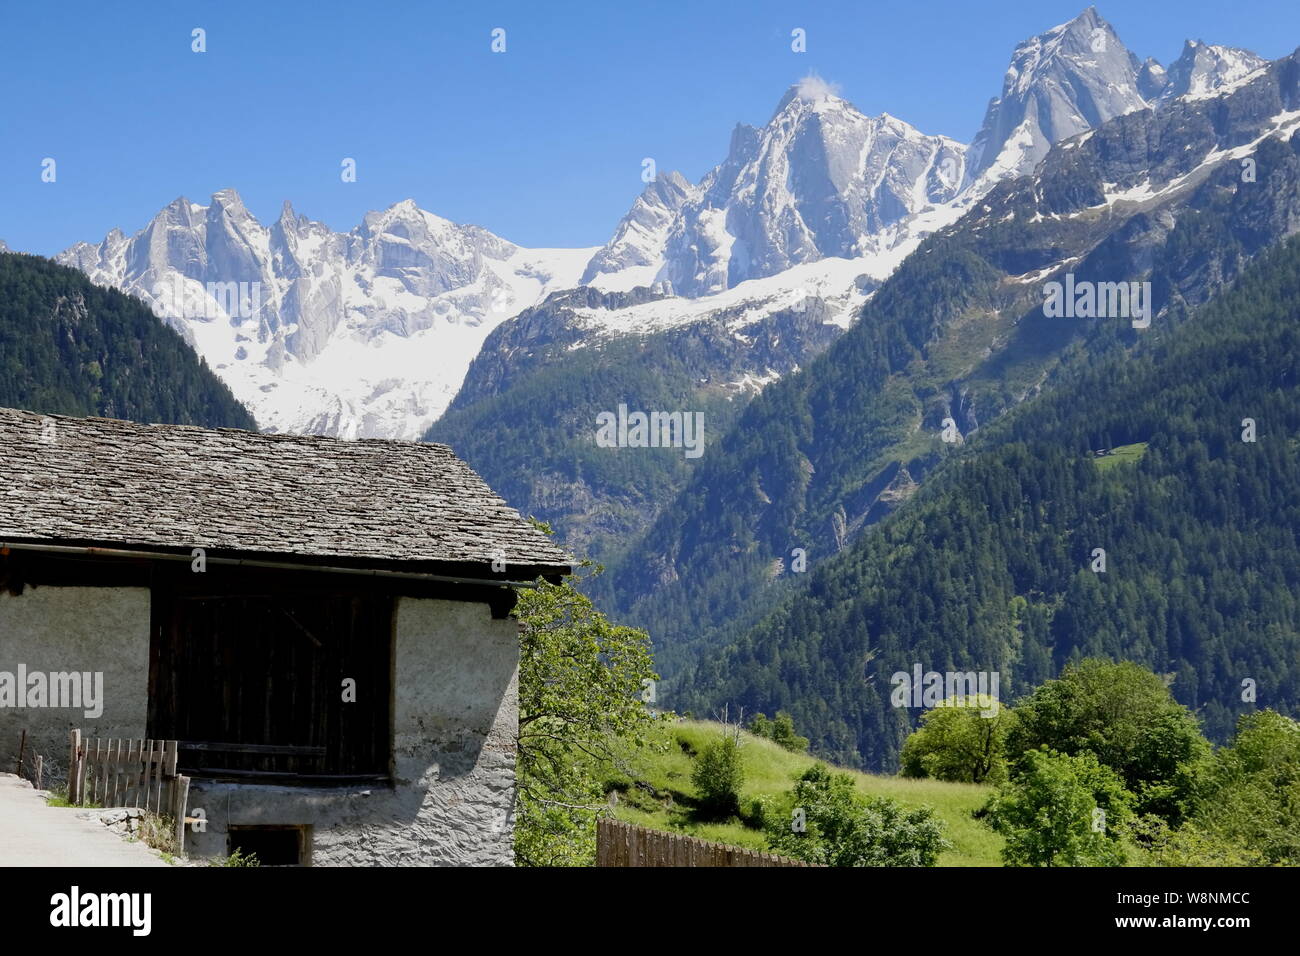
(263, 684)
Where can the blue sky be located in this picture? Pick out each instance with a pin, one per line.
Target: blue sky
(541, 144)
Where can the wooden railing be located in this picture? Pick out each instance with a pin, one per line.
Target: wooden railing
(625, 844)
(117, 772)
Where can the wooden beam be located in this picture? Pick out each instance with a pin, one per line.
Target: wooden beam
(219, 773)
(285, 749)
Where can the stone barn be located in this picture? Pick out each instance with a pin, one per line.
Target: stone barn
(323, 625)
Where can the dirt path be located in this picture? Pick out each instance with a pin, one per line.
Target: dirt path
(33, 834)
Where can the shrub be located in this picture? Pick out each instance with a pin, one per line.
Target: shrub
(823, 820)
(718, 775)
(238, 858)
(780, 731)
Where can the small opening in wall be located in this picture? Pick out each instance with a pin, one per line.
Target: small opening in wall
(273, 846)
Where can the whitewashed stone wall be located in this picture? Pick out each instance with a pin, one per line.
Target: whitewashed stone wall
(455, 717)
(53, 629)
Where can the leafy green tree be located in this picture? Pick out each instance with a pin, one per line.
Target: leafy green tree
(718, 775)
(580, 685)
(1249, 793)
(959, 743)
(823, 820)
(1125, 716)
(1062, 810)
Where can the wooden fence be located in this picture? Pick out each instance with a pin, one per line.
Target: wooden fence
(31, 765)
(625, 844)
(115, 772)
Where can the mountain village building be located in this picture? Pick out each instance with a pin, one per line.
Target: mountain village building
(322, 625)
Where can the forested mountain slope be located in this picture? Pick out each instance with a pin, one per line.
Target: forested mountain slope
(526, 415)
(1181, 198)
(990, 567)
(69, 347)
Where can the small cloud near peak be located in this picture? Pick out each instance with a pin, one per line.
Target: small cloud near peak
(813, 88)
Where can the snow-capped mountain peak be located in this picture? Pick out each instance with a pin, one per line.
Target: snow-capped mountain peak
(360, 334)
(1069, 79)
(1152, 78)
(1077, 76)
(820, 179)
(370, 332)
(1204, 68)
(634, 255)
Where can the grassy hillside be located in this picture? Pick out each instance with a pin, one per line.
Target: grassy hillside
(653, 788)
(1123, 455)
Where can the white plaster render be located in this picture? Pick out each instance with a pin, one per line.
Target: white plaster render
(455, 717)
(75, 629)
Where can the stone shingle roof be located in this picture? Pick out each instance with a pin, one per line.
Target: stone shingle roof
(116, 483)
